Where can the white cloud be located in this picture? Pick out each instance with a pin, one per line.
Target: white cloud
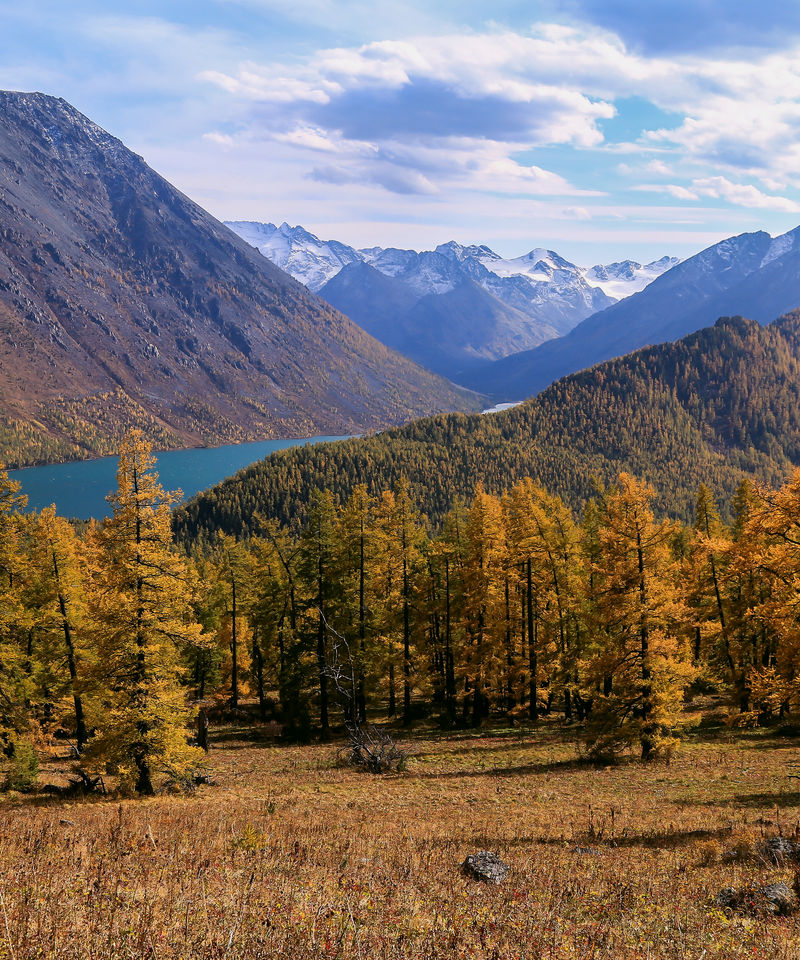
(680, 193)
(255, 83)
(223, 139)
(744, 195)
(559, 82)
(720, 188)
(470, 125)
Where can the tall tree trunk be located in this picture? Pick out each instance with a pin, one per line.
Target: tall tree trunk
(139, 751)
(258, 665)
(392, 696)
(509, 688)
(81, 734)
(449, 665)
(321, 660)
(234, 648)
(361, 697)
(406, 647)
(533, 630)
(648, 733)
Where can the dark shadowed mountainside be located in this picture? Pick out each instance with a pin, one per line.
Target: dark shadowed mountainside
(446, 332)
(752, 274)
(123, 303)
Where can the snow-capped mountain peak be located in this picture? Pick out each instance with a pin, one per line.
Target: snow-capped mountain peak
(297, 251)
(538, 264)
(626, 277)
(456, 251)
(530, 276)
(541, 283)
(781, 245)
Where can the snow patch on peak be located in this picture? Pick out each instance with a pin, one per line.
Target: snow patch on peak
(779, 246)
(626, 277)
(540, 282)
(461, 253)
(297, 251)
(539, 264)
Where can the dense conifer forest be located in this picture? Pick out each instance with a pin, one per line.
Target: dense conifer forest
(717, 407)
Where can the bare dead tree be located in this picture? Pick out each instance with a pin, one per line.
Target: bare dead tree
(369, 747)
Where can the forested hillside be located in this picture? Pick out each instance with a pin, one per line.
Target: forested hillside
(719, 405)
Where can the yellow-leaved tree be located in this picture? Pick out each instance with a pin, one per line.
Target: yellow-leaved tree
(57, 593)
(140, 604)
(772, 535)
(15, 620)
(484, 577)
(641, 662)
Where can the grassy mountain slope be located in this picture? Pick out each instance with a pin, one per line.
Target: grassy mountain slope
(123, 303)
(721, 404)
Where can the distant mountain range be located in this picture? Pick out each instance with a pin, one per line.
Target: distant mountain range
(715, 407)
(123, 303)
(752, 274)
(455, 306)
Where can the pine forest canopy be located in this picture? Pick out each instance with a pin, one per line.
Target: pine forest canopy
(715, 407)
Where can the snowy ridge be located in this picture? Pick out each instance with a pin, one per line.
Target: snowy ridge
(307, 258)
(540, 283)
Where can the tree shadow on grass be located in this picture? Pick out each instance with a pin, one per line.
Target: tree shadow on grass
(227, 739)
(525, 769)
(772, 742)
(764, 800)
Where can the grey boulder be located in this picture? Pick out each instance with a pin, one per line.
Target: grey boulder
(485, 866)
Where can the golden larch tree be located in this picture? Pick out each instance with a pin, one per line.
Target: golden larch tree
(141, 607)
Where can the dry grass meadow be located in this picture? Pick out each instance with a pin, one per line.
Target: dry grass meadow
(289, 855)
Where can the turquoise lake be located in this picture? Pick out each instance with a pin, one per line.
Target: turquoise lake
(79, 489)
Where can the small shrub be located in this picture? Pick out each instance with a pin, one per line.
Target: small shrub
(250, 839)
(708, 853)
(372, 749)
(22, 767)
(748, 720)
(741, 851)
(666, 748)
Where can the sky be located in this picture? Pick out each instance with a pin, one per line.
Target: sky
(602, 129)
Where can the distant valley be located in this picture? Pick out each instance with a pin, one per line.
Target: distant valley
(456, 306)
(123, 303)
(754, 274)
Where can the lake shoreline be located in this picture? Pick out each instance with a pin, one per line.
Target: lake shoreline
(79, 487)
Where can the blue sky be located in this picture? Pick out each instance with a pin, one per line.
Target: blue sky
(600, 128)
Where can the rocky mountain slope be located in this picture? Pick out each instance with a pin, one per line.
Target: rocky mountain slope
(751, 274)
(512, 305)
(124, 303)
(715, 407)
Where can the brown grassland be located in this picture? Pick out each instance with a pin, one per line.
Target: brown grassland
(292, 855)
